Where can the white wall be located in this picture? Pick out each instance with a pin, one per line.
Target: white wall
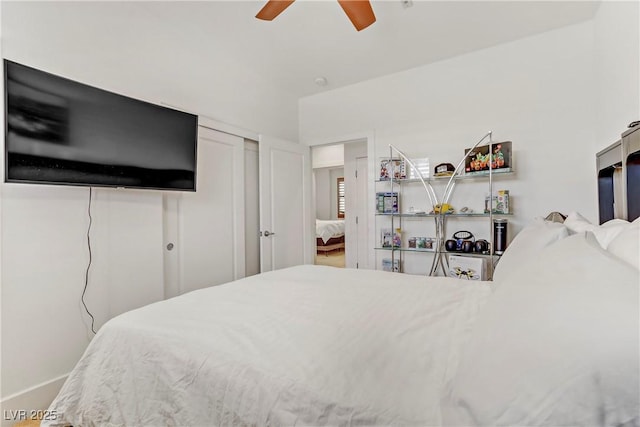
(326, 156)
(326, 192)
(97, 44)
(44, 253)
(560, 97)
(323, 158)
(537, 92)
(333, 187)
(617, 65)
(322, 192)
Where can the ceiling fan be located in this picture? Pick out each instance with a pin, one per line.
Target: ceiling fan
(359, 11)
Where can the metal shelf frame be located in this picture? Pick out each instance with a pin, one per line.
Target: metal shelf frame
(440, 259)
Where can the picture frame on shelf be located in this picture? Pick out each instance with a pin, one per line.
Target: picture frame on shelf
(392, 168)
(477, 161)
(389, 239)
(387, 202)
(500, 202)
(426, 243)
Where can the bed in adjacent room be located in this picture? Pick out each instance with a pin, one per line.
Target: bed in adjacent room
(329, 235)
(553, 341)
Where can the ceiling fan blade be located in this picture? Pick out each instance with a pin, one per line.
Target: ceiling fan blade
(359, 12)
(273, 8)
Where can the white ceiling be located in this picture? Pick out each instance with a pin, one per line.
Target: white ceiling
(315, 38)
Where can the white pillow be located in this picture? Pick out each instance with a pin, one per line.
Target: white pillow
(526, 246)
(605, 233)
(560, 348)
(609, 231)
(626, 245)
(576, 223)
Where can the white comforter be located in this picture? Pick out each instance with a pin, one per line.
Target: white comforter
(308, 345)
(326, 229)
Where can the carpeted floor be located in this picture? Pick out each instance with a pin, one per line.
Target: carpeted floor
(332, 259)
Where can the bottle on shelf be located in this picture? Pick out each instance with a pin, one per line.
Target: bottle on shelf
(500, 235)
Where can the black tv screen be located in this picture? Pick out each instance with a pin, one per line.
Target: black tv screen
(58, 131)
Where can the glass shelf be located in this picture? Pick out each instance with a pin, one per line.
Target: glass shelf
(454, 215)
(485, 174)
(407, 249)
(471, 254)
(473, 175)
(440, 260)
(465, 254)
(476, 215)
(406, 215)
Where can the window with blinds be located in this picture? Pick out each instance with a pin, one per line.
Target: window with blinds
(341, 203)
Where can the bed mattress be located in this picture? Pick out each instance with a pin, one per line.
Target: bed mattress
(326, 229)
(308, 345)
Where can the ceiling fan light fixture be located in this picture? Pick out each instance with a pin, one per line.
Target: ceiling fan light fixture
(321, 81)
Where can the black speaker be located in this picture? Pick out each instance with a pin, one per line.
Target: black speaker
(451, 245)
(481, 246)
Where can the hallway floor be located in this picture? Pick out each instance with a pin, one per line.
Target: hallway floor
(332, 259)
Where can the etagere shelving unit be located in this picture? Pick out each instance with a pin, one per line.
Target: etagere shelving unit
(440, 262)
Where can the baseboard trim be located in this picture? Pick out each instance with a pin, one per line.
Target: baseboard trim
(35, 398)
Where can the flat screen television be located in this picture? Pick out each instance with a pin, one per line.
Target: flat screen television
(58, 131)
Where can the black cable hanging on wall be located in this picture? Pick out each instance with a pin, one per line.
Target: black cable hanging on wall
(86, 275)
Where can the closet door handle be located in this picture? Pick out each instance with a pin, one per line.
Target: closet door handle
(268, 233)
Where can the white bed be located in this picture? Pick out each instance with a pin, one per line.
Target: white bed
(329, 235)
(314, 345)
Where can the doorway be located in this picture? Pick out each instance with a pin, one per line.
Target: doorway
(340, 185)
(330, 210)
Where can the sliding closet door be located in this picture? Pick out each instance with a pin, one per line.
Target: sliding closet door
(285, 204)
(251, 208)
(208, 248)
